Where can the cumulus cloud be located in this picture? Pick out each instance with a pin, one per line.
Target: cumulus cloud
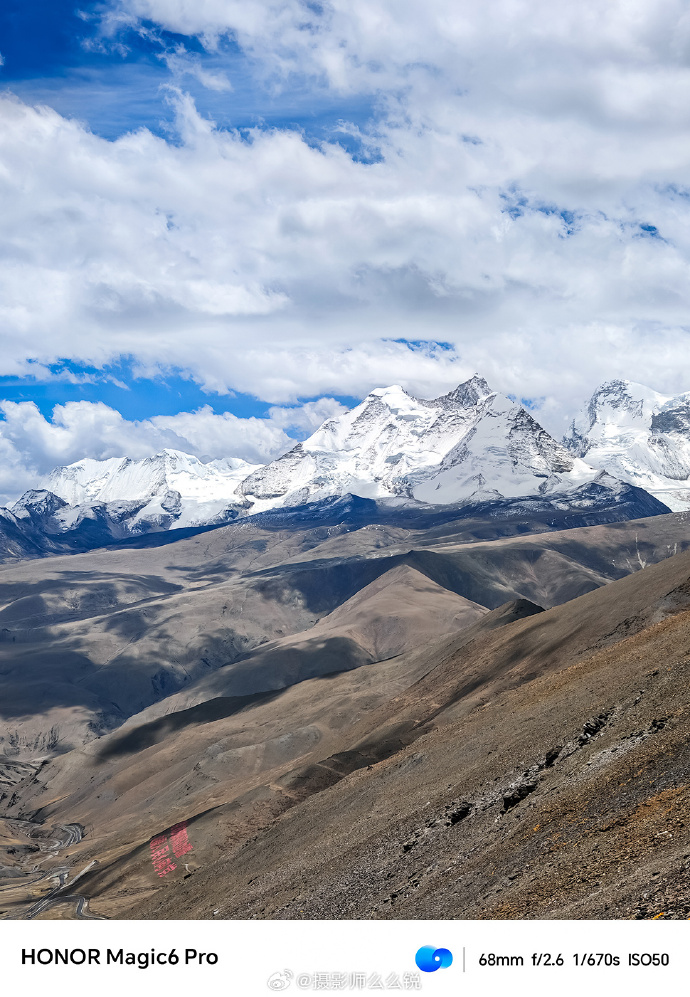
(521, 196)
(307, 418)
(31, 445)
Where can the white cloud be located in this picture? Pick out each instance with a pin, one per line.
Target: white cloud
(510, 49)
(182, 63)
(523, 145)
(307, 418)
(31, 445)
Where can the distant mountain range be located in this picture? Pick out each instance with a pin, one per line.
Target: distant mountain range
(630, 447)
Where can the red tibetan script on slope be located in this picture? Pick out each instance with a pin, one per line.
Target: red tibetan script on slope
(160, 855)
(163, 849)
(179, 840)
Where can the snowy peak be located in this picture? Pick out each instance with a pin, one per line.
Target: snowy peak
(37, 503)
(640, 436)
(472, 443)
(392, 396)
(502, 452)
(615, 403)
(125, 479)
(168, 489)
(469, 394)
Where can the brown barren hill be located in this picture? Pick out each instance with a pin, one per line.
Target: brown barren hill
(555, 786)
(393, 715)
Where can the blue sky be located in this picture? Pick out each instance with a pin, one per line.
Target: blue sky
(224, 220)
(53, 55)
(55, 52)
(135, 397)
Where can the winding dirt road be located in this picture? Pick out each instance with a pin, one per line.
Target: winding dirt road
(62, 836)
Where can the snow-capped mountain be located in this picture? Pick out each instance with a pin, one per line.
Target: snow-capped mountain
(472, 444)
(471, 447)
(170, 489)
(638, 436)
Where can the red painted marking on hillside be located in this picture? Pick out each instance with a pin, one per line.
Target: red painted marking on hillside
(160, 855)
(179, 840)
(160, 848)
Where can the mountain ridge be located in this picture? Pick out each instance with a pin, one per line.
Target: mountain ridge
(472, 447)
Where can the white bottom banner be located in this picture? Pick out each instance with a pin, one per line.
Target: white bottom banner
(255, 958)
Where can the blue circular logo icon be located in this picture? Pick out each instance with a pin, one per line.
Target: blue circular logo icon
(429, 958)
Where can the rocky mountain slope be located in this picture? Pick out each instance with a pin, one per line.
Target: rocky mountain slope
(549, 783)
(228, 679)
(639, 436)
